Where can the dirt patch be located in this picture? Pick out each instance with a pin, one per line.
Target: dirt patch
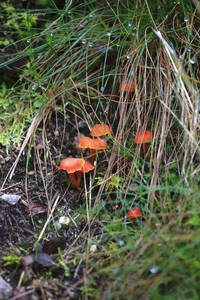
(37, 179)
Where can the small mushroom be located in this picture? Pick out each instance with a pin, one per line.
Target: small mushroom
(93, 144)
(134, 213)
(144, 138)
(72, 165)
(98, 144)
(87, 167)
(100, 130)
(85, 142)
(127, 86)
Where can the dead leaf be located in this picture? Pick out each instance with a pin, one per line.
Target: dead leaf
(44, 259)
(21, 294)
(28, 260)
(37, 207)
(41, 258)
(53, 244)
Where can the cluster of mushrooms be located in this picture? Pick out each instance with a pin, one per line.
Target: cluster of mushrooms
(96, 143)
(79, 165)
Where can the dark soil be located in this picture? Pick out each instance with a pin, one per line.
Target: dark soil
(38, 181)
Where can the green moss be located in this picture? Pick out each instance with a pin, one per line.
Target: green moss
(10, 259)
(15, 114)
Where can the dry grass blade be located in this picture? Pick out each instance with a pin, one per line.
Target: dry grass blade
(47, 221)
(35, 122)
(30, 132)
(190, 105)
(197, 4)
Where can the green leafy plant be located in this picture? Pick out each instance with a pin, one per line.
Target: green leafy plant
(113, 183)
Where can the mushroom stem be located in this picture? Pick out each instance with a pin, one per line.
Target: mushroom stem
(73, 180)
(128, 96)
(144, 145)
(93, 151)
(79, 176)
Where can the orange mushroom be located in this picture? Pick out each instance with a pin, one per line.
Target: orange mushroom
(134, 213)
(87, 167)
(144, 138)
(92, 144)
(98, 144)
(85, 142)
(72, 165)
(100, 130)
(127, 86)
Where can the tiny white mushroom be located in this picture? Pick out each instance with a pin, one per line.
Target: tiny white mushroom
(93, 248)
(64, 220)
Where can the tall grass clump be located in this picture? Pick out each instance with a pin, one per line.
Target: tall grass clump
(76, 65)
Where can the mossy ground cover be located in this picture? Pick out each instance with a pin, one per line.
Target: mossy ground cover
(64, 69)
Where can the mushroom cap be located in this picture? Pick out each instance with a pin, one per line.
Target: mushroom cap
(144, 137)
(99, 144)
(100, 130)
(87, 167)
(85, 142)
(94, 144)
(71, 164)
(134, 213)
(127, 85)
